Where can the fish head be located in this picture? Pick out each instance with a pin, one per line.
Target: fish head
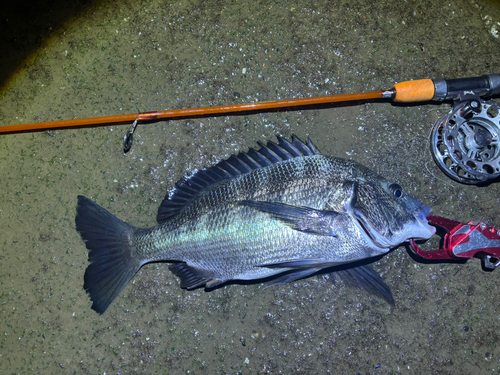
(385, 213)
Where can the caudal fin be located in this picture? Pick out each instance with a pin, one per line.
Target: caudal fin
(109, 242)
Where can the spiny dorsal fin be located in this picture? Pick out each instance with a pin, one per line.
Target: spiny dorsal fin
(190, 187)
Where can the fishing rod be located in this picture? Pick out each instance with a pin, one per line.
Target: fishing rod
(191, 112)
(477, 134)
(404, 92)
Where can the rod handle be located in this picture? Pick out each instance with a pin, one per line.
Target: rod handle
(484, 86)
(420, 90)
(423, 90)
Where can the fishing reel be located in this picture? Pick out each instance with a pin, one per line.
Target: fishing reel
(465, 143)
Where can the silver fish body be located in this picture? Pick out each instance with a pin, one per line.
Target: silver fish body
(284, 210)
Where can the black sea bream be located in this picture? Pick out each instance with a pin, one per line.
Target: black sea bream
(282, 212)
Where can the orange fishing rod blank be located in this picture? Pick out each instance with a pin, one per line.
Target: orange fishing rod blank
(192, 112)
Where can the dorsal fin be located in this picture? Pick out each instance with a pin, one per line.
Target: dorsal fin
(190, 187)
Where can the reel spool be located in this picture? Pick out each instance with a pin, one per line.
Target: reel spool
(466, 142)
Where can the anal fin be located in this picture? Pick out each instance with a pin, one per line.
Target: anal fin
(192, 277)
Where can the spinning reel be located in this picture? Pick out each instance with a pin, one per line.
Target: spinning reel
(465, 143)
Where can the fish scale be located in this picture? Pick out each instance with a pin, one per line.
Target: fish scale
(279, 213)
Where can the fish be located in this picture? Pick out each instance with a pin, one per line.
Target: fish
(276, 214)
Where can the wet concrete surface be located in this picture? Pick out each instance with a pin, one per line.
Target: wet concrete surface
(107, 58)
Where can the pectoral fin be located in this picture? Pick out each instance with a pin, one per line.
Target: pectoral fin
(304, 219)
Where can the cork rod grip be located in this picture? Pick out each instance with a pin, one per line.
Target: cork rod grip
(421, 90)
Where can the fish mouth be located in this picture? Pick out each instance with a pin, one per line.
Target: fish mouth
(426, 230)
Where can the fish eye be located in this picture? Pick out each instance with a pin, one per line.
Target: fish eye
(396, 189)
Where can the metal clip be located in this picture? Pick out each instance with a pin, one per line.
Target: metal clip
(464, 241)
(487, 262)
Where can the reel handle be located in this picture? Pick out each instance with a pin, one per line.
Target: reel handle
(424, 90)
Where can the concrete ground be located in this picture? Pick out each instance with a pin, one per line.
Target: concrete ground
(98, 58)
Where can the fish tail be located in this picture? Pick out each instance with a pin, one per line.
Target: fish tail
(109, 242)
